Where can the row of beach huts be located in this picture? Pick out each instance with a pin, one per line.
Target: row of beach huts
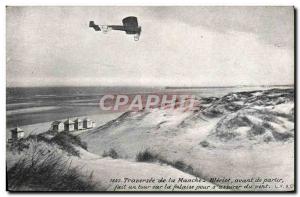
(70, 125)
(58, 126)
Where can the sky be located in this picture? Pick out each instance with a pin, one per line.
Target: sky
(179, 46)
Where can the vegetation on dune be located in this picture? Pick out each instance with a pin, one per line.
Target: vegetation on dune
(63, 140)
(148, 156)
(67, 142)
(45, 170)
(236, 101)
(111, 153)
(204, 143)
(258, 122)
(18, 146)
(43, 165)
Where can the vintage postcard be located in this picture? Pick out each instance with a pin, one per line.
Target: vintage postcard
(150, 98)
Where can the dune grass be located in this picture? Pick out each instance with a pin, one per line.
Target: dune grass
(44, 171)
(45, 165)
(111, 153)
(148, 156)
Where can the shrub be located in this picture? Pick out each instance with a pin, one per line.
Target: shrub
(44, 171)
(257, 129)
(282, 136)
(66, 142)
(268, 138)
(180, 165)
(146, 156)
(111, 153)
(18, 146)
(204, 143)
(70, 138)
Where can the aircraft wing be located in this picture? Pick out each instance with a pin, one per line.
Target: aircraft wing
(130, 21)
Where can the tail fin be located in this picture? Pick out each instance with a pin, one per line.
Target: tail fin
(93, 25)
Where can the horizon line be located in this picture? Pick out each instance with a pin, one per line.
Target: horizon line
(146, 86)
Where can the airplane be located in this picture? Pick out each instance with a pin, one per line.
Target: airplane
(130, 26)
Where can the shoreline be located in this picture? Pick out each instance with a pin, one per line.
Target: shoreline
(37, 128)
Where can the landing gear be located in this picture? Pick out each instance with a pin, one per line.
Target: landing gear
(136, 37)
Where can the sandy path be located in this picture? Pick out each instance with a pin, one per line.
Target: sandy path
(105, 169)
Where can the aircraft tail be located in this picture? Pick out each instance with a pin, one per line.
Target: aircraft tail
(93, 25)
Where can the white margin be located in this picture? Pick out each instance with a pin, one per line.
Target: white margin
(3, 4)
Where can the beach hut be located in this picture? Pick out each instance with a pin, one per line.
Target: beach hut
(17, 133)
(69, 125)
(78, 124)
(87, 123)
(58, 126)
(93, 124)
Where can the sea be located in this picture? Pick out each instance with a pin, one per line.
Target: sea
(31, 105)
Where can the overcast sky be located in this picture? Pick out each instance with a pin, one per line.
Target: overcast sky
(179, 46)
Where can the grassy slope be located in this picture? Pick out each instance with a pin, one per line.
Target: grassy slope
(62, 164)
